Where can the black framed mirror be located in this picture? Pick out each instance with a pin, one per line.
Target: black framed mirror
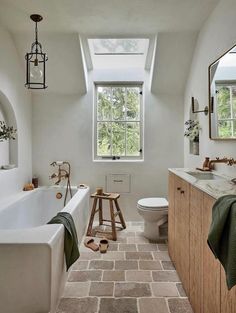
(222, 96)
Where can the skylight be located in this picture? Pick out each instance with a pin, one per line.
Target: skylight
(114, 53)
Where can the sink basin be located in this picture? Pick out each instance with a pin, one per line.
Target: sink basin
(204, 176)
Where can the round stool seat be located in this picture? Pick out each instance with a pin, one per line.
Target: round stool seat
(153, 204)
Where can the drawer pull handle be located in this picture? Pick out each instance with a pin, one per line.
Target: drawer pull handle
(182, 191)
(117, 181)
(178, 188)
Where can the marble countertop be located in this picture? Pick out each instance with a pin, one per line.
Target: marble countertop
(214, 187)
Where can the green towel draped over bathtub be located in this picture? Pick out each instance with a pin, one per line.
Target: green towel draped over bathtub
(70, 240)
(222, 236)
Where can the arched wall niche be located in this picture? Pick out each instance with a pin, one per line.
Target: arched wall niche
(9, 148)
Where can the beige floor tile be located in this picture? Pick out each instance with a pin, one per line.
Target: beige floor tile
(82, 305)
(126, 265)
(150, 265)
(147, 247)
(137, 240)
(101, 289)
(113, 276)
(164, 290)
(80, 265)
(179, 306)
(127, 247)
(162, 256)
(139, 276)
(101, 265)
(90, 256)
(90, 275)
(138, 256)
(114, 255)
(152, 305)
(120, 305)
(76, 290)
(168, 265)
(132, 290)
(181, 290)
(166, 276)
(162, 247)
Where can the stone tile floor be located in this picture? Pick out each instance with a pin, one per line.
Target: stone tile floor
(134, 276)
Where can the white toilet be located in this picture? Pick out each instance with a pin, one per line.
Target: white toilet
(155, 213)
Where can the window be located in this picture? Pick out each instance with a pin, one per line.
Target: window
(226, 109)
(118, 122)
(122, 53)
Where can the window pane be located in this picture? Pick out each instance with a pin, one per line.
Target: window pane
(133, 103)
(225, 129)
(118, 138)
(223, 102)
(234, 128)
(133, 139)
(118, 107)
(234, 100)
(104, 103)
(103, 138)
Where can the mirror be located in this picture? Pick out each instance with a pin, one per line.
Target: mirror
(222, 96)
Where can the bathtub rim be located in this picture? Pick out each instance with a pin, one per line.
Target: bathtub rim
(43, 234)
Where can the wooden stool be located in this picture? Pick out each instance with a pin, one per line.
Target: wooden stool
(111, 197)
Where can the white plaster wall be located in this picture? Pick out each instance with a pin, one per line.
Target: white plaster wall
(217, 35)
(12, 86)
(62, 130)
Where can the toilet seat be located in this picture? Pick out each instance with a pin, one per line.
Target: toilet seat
(153, 204)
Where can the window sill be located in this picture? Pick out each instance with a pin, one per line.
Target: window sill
(117, 161)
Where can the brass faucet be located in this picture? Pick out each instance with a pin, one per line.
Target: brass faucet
(62, 173)
(228, 161)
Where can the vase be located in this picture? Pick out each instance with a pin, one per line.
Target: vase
(195, 147)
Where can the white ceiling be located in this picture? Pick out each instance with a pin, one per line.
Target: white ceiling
(107, 16)
(65, 20)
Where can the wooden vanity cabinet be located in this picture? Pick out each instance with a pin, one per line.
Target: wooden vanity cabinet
(195, 250)
(211, 266)
(203, 278)
(178, 229)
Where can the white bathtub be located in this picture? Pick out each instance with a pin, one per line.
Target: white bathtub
(32, 266)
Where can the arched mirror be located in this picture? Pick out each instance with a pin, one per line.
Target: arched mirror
(8, 135)
(222, 97)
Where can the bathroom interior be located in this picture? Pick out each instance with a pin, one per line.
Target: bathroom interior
(117, 156)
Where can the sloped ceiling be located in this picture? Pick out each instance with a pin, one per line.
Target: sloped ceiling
(172, 61)
(175, 21)
(107, 16)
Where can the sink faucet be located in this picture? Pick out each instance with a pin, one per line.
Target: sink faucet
(228, 161)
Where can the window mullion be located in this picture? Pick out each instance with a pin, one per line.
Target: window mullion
(125, 121)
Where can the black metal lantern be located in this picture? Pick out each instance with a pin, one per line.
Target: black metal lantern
(36, 61)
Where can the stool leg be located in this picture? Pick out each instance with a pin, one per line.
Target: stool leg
(100, 211)
(120, 214)
(90, 225)
(113, 224)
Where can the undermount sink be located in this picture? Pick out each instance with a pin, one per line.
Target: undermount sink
(204, 176)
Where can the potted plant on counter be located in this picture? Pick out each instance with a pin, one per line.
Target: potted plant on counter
(6, 132)
(192, 133)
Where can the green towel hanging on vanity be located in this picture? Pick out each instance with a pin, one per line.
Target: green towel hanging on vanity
(70, 241)
(222, 236)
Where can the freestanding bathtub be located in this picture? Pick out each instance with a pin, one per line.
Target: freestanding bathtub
(32, 266)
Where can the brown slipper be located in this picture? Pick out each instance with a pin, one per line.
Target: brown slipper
(89, 243)
(103, 245)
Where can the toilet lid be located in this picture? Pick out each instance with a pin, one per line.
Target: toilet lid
(153, 203)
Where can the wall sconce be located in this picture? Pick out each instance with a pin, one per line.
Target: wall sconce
(206, 109)
(36, 61)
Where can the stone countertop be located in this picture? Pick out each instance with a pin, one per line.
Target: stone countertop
(214, 187)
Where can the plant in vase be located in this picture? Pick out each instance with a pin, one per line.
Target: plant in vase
(192, 133)
(6, 132)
